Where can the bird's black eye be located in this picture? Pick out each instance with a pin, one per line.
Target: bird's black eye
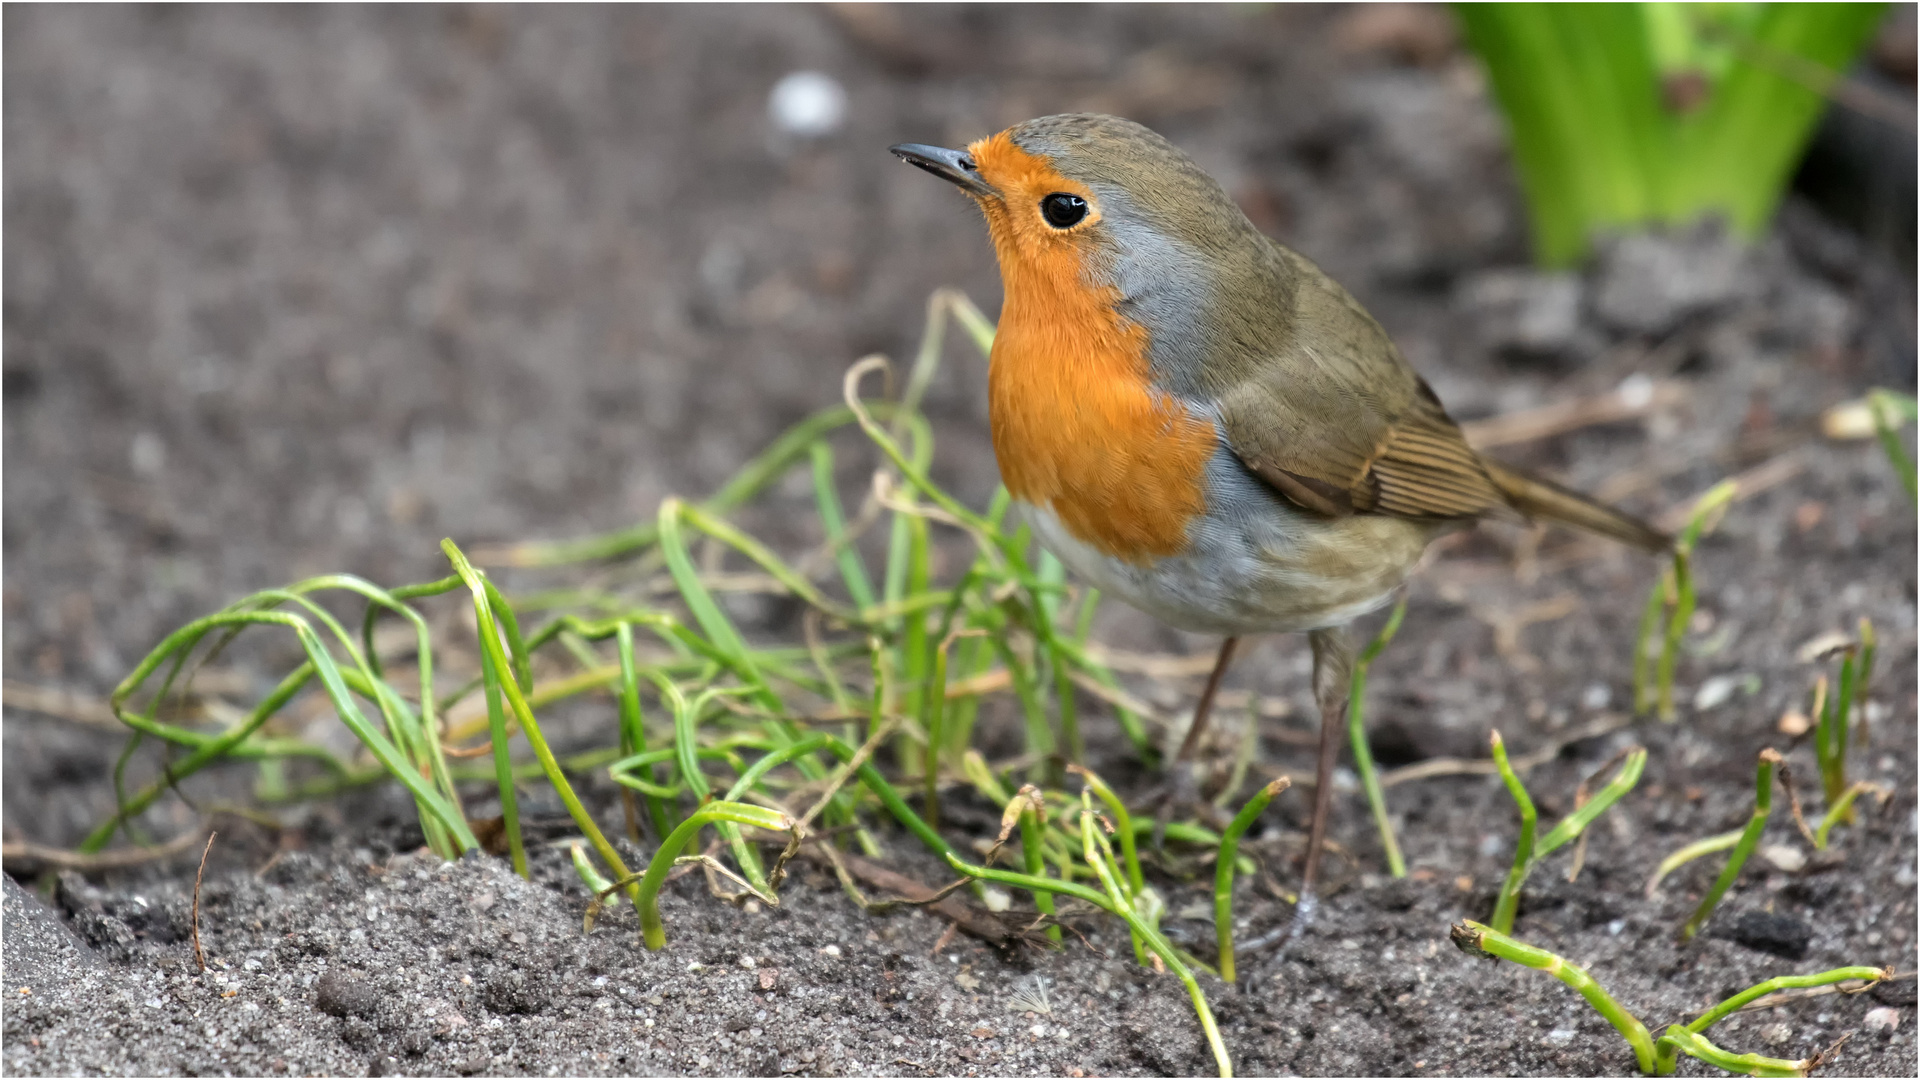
(1063, 211)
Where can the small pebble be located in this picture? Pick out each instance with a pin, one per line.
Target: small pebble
(1882, 1019)
(1714, 692)
(1559, 1036)
(1776, 1035)
(1769, 932)
(808, 104)
(1784, 857)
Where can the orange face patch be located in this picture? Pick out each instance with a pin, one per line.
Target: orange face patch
(1076, 424)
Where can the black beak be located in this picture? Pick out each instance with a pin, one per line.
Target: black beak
(954, 166)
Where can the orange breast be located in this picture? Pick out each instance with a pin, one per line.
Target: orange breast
(1076, 424)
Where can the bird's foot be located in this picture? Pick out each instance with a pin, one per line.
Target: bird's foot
(1280, 936)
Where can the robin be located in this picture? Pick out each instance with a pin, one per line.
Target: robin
(1200, 421)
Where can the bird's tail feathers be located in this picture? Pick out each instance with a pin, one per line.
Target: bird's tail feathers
(1544, 499)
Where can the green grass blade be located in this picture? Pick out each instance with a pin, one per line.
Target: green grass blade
(826, 498)
(1756, 823)
(503, 766)
(490, 643)
(1576, 823)
(647, 895)
(1223, 871)
(1523, 858)
(213, 749)
(1357, 739)
(755, 477)
(1475, 938)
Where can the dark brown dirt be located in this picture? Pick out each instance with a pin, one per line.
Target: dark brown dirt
(299, 290)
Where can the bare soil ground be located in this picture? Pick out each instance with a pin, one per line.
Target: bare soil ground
(296, 290)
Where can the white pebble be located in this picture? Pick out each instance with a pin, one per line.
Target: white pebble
(1784, 857)
(1715, 692)
(808, 104)
(1635, 391)
(1882, 1019)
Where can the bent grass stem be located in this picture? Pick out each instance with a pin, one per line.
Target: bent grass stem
(1749, 837)
(1527, 854)
(1223, 870)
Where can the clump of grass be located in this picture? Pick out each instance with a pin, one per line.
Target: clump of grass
(1528, 852)
(714, 729)
(1660, 1057)
(691, 692)
(1670, 608)
(1114, 897)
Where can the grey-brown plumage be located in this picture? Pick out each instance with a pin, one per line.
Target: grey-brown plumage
(1313, 395)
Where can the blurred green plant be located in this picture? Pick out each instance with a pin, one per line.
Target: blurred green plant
(1669, 609)
(1893, 411)
(1628, 115)
(1835, 714)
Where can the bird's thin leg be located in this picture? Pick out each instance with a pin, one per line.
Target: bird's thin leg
(1332, 678)
(1201, 711)
(1181, 789)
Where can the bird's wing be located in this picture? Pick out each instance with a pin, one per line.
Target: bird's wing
(1345, 425)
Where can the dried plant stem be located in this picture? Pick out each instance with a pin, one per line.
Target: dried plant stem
(199, 954)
